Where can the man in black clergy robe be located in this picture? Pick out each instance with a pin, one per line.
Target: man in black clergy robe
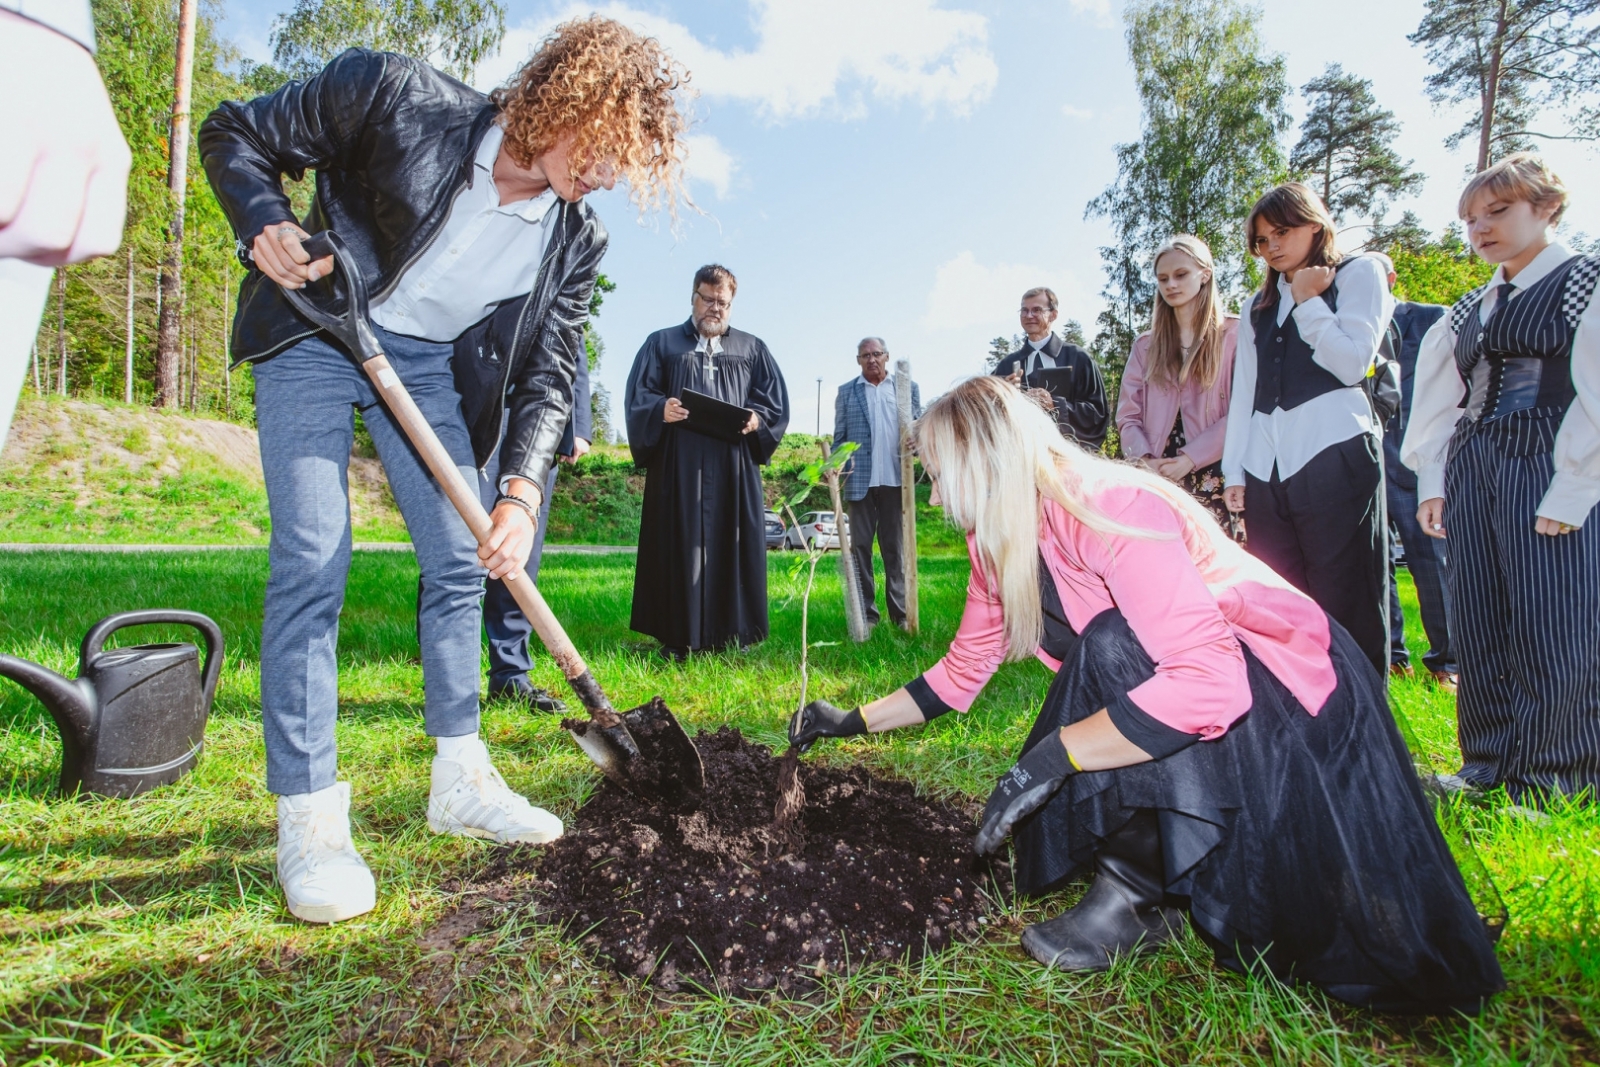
(1078, 404)
(701, 578)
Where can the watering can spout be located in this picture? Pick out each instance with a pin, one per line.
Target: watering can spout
(66, 700)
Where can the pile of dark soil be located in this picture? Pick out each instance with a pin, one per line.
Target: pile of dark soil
(721, 898)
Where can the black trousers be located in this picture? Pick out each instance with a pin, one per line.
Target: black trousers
(878, 514)
(1325, 530)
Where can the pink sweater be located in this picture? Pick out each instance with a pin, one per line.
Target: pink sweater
(1190, 598)
(1146, 411)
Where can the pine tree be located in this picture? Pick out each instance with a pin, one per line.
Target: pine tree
(1513, 58)
(1346, 149)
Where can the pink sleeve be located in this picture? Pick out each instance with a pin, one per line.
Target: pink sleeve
(1130, 403)
(1205, 447)
(979, 646)
(1200, 685)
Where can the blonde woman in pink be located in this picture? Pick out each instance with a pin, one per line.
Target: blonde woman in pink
(1211, 743)
(1172, 414)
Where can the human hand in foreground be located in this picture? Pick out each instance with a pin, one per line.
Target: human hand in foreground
(64, 169)
(510, 540)
(752, 424)
(1043, 398)
(1430, 516)
(1309, 282)
(674, 411)
(580, 448)
(1023, 790)
(1175, 469)
(821, 719)
(1552, 527)
(1233, 497)
(277, 253)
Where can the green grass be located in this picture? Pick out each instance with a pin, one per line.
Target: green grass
(151, 932)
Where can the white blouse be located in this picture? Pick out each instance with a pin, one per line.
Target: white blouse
(1343, 343)
(1436, 404)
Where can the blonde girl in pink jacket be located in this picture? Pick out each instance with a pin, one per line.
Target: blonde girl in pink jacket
(1212, 742)
(1172, 411)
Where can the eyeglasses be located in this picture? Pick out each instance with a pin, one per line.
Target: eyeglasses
(872, 355)
(718, 305)
(1034, 312)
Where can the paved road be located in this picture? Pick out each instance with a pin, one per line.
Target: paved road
(360, 546)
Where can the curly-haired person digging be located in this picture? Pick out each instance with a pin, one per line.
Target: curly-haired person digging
(466, 214)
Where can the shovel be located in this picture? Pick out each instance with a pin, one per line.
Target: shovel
(645, 751)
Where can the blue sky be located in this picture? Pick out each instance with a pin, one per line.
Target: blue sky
(907, 168)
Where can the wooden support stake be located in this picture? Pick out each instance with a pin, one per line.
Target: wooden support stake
(908, 492)
(855, 617)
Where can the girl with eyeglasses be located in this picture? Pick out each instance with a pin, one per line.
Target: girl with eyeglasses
(1303, 456)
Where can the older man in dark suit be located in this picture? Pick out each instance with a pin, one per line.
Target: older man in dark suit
(865, 412)
(1425, 556)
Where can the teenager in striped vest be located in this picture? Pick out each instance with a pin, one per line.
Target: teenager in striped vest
(1505, 442)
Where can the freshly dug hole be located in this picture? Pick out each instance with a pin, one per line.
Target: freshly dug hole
(714, 898)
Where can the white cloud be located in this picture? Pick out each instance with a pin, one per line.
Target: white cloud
(1076, 112)
(968, 293)
(1100, 10)
(709, 162)
(813, 56)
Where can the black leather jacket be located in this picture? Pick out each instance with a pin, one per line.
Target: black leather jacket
(392, 141)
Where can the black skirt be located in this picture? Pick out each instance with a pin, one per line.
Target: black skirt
(1302, 843)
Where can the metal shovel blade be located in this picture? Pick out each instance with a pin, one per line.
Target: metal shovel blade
(647, 753)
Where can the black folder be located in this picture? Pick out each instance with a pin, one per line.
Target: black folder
(1057, 381)
(713, 417)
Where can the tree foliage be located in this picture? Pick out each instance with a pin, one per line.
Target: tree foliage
(1212, 110)
(455, 35)
(1512, 59)
(1346, 148)
(137, 47)
(1430, 270)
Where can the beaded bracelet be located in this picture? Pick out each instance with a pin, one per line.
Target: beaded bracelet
(533, 512)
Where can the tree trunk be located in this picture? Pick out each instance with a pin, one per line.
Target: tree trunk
(169, 342)
(1491, 88)
(34, 352)
(127, 356)
(61, 325)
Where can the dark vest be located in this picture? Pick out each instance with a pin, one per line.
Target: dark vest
(1286, 375)
(1526, 346)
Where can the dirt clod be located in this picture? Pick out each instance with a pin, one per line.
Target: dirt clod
(719, 898)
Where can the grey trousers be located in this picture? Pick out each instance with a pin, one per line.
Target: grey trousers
(878, 514)
(305, 398)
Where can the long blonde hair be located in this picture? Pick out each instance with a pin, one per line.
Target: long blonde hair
(1168, 365)
(996, 456)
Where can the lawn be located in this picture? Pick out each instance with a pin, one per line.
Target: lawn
(151, 932)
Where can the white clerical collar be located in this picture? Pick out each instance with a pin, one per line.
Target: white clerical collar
(1038, 346)
(711, 344)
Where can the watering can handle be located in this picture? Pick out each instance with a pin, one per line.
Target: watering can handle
(353, 325)
(95, 639)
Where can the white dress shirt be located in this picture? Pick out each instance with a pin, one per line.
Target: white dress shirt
(1343, 343)
(1436, 400)
(883, 412)
(483, 254)
(1037, 358)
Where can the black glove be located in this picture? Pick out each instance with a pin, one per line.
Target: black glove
(1023, 790)
(821, 719)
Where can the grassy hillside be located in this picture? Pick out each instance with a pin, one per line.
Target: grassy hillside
(79, 471)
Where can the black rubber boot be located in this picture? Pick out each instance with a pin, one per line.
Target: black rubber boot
(1122, 911)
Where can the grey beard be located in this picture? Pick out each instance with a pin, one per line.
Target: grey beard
(701, 328)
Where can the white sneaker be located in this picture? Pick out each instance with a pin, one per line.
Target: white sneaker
(321, 873)
(470, 798)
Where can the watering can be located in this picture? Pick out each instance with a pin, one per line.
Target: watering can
(135, 717)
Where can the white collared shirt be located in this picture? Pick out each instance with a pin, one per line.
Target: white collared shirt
(1038, 357)
(1435, 404)
(883, 414)
(483, 254)
(1344, 343)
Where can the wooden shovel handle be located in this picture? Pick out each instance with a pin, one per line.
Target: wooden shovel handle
(465, 499)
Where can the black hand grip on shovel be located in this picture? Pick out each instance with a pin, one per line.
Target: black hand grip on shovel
(645, 750)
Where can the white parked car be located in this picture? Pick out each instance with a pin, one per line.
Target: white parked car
(816, 530)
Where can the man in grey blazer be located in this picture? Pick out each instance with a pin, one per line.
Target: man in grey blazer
(865, 412)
